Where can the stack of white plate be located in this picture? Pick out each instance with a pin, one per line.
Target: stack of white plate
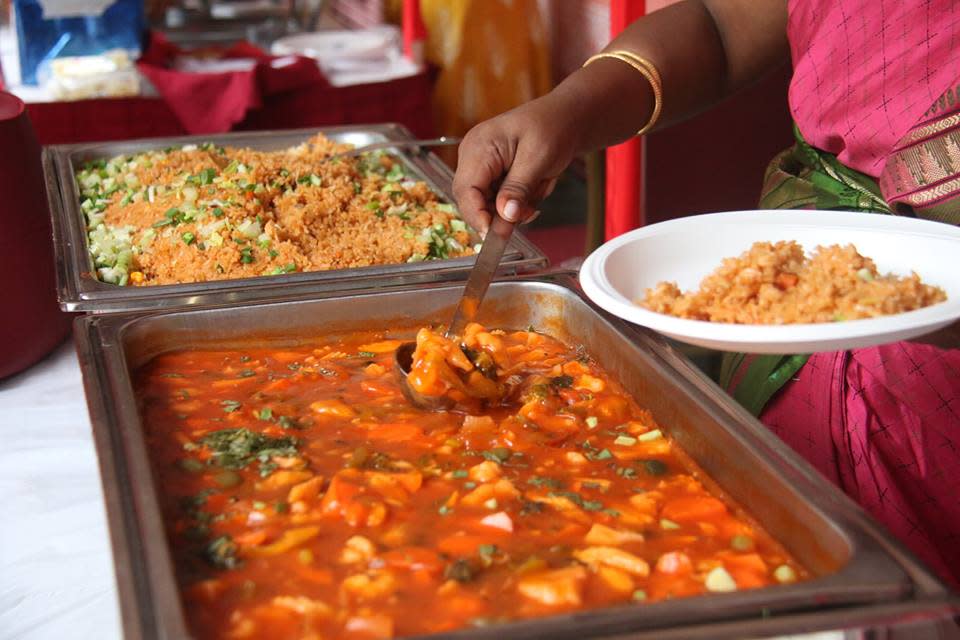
(351, 56)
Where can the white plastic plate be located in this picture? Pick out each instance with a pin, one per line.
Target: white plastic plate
(685, 250)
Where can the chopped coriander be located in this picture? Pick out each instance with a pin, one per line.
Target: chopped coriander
(486, 552)
(655, 467)
(498, 454)
(237, 448)
(542, 481)
(229, 406)
(741, 542)
(459, 570)
(221, 552)
(286, 422)
(217, 212)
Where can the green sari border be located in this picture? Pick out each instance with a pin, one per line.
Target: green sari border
(802, 177)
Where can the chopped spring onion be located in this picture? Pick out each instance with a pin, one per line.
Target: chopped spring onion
(785, 574)
(741, 543)
(720, 581)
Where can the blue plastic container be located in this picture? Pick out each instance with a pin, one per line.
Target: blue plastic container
(120, 26)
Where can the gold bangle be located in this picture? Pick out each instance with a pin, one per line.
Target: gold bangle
(647, 70)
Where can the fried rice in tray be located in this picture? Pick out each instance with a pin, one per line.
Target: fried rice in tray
(204, 212)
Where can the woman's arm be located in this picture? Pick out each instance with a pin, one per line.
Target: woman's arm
(704, 50)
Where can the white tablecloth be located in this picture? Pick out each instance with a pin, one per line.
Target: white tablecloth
(56, 571)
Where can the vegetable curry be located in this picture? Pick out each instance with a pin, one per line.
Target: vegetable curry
(306, 498)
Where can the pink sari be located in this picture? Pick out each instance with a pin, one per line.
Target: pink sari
(866, 71)
(884, 423)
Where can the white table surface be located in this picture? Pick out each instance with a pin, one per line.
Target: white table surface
(56, 569)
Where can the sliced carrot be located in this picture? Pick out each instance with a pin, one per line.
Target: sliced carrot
(308, 490)
(464, 544)
(280, 384)
(291, 539)
(251, 538)
(342, 490)
(748, 569)
(383, 346)
(414, 559)
(395, 432)
(693, 509)
(786, 280)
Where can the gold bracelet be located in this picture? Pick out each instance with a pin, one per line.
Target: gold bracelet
(647, 70)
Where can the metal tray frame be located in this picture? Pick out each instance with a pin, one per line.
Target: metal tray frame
(861, 573)
(79, 290)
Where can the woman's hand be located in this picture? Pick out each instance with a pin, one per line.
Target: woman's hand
(508, 164)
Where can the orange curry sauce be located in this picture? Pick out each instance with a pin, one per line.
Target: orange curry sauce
(306, 498)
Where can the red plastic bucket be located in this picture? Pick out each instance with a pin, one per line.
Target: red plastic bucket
(31, 323)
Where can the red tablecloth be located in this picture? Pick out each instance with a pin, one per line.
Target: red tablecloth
(406, 101)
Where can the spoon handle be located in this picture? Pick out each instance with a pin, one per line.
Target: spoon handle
(482, 273)
(397, 144)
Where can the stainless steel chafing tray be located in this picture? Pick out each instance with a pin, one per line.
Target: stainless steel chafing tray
(80, 290)
(860, 574)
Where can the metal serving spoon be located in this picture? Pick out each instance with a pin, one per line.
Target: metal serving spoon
(480, 276)
(442, 141)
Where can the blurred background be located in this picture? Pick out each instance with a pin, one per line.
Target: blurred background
(93, 70)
